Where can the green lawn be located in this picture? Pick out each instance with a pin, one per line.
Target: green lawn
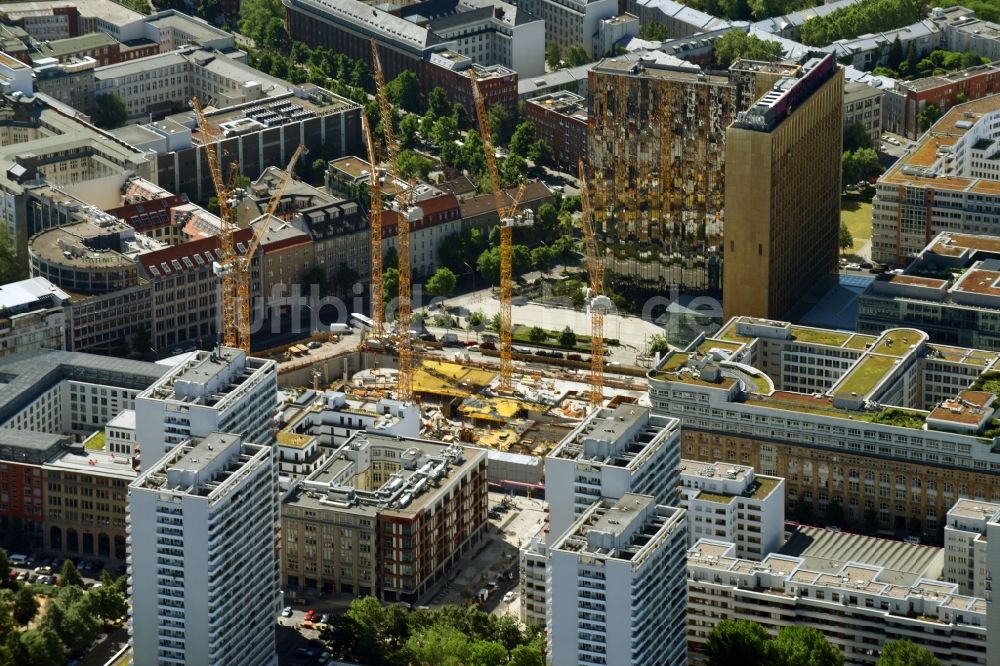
(820, 336)
(858, 216)
(95, 442)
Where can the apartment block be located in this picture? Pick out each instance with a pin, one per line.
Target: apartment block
(384, 515)
(863, 104)
(782, 194)
(570, 23)
(858, 606)
(561, 119)
(223, 390)
(491, 32)
(947, 291)
(906, 100)
(613, 452)
(203, 564)
(679, 19)
(615, 586)
(71, 83)
(732, 503)
(453, 73)
(32, 316)
(439, 217)
(890, 428)
(949, 181)
(965, 546)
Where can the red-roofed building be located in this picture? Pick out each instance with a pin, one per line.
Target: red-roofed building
(185, 290)
(153, 217)
(441, 216)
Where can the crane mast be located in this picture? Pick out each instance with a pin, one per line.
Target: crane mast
(227, 249)
(404, 390)
(509, 218)
(598, 303)
(375, 224)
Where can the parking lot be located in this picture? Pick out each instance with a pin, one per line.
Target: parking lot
(42, 570)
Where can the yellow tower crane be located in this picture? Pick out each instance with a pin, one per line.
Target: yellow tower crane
(375, 223)
(597, 302)
(233, 268)
(404, 214)
(509, 218)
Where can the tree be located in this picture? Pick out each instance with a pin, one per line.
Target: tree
(804, 646)
(405, 91)
(576, 56)
(390, 283)
(318, 169)
(442, 283)
(69, 576)
(501, 124)
(486, 653)
(553, 55)
(895, 57)
(110, 111)
(860, 18)
(658, 344)
(413, 165)
(438, 645)
(541, 257)
(905, 653)
(737, 44)
(522, 138)
(437, 102)
(488, 264)
(391, 258)
(567, 338)
(856, 136)
(477, 320)
(738, 642)
(849, 171)
(846, 239)
(540, 152)
(537, 334)
(408, 128)
(25, 606)
(654, 32)
(928, 117)
(445, 130)
(867, 163)
(513, 170)
(42, 647)
(255, 16)
(527, 655)
(909, 66)
(5, 565)
(107, 601)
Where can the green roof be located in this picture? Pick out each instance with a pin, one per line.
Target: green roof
(820, 336)
(897, 341)
(61, 47)
(861, 342)
(866, 375)
(713, 343)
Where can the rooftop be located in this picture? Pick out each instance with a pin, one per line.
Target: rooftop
(619, 437)
(971, 509)
(205, 467)
(34, 292)
(106, 10)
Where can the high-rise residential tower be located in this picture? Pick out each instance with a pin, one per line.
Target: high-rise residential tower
(203, 555)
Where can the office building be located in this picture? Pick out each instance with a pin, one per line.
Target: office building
(860, 595)
(71, 83)
(31, 316)
(947, 291)
(259, 133)
(491, 32)
(730, 502)
(203, 531)
(45, 147)
(948, 181)
(50, 398)
(440, 216)
(56, 19)
(965, 545)
(615, 31)
(614, 451)
(223, 390)
(863, 105)
(782, 192)
(384, 515)
(658, 185)
(561, 119)
(888, 428)
(615, 586)
(570, 23)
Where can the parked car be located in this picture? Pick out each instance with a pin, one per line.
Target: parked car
(324, 619)
(852, 267)
(507, 598)
(486, 344)
(286, 611)
(574, 357)
(315, 344)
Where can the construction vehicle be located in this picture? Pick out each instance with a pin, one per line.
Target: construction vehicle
(597, 303)
(509, 218)
(232, 267)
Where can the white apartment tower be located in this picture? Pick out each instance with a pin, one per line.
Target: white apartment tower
(616, 586)
(731, 503)
(202, 555)
(219, 391)
(614, 451)
(965, 545)
(992, 610)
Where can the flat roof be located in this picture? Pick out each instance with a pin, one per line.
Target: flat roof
(102, 462)
(828, 551)
(109, 11)
(15, 295)
(974, 509)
